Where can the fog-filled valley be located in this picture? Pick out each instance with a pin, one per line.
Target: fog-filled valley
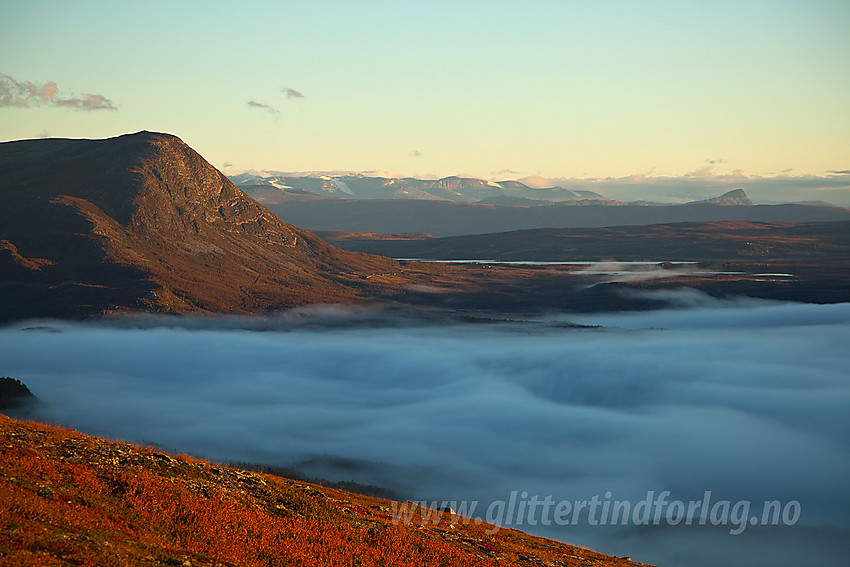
(746, 399)
(425, 284)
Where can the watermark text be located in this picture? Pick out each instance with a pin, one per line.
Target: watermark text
(520, 509)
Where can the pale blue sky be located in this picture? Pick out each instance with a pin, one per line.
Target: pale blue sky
(493, 89)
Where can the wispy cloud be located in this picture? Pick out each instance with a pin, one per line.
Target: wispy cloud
(415, 153)
(504, 172)
(291, 93)
(27, 94)
(87, 102)
(263, 106)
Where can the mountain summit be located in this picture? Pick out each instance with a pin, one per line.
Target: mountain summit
(142, 221)
(736, 197)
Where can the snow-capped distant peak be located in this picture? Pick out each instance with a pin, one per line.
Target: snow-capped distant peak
(494, 184)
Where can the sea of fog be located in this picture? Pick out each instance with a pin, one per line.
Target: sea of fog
(745, 402)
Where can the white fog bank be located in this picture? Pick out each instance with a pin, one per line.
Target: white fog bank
(747, 400)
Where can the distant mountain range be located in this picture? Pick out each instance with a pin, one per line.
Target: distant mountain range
(457, 189)
(142, 222)
(449, 218)
(455, 206)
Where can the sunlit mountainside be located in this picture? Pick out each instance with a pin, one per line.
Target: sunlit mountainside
(142, 222)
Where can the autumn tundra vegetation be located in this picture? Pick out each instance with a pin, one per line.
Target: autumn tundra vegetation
(71, 499)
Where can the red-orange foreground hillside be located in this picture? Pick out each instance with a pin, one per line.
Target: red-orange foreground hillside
(71, 499)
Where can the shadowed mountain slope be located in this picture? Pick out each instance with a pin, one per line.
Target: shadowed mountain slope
(142, 221)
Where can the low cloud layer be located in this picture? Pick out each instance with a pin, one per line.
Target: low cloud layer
(638, 272)
(25, 94)
(748, 400)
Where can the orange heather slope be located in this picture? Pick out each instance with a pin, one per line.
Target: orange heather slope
(71, 499)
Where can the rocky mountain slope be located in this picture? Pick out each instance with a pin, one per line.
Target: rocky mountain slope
(142, 221)
(71, 499)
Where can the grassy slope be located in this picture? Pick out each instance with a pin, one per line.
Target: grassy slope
(71, 499)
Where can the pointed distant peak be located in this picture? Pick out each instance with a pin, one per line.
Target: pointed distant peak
(735, 193)
(736, 197)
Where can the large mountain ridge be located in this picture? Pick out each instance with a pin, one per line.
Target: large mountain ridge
(456, 206)
(142, 221)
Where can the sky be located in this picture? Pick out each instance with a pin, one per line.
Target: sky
(498, 90)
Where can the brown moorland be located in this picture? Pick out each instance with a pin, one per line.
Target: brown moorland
(688, 241)
(807, 262)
